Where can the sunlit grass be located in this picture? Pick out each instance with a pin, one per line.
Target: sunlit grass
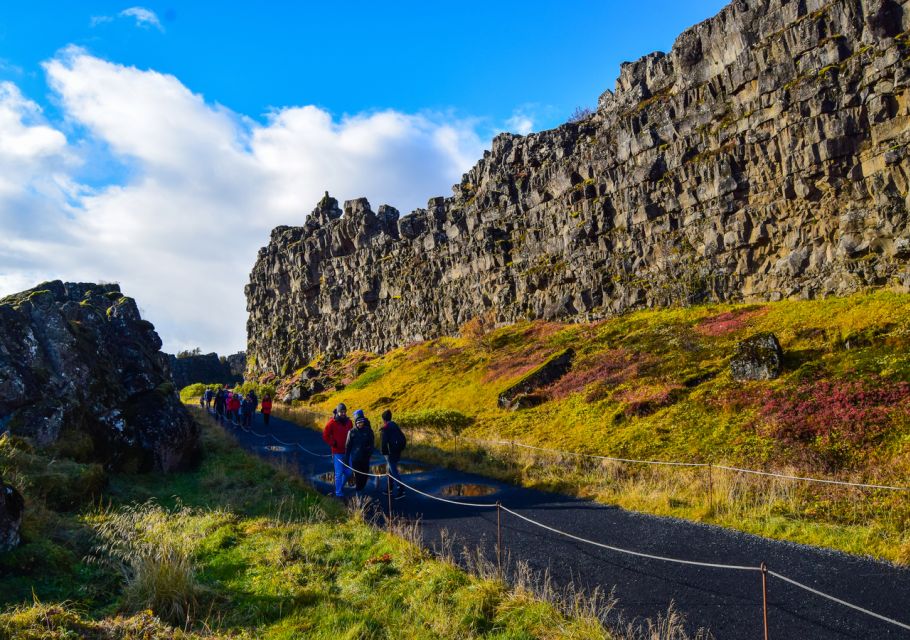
(670, 397)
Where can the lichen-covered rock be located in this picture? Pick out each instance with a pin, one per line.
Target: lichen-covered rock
(765, 157)
(520, 396)
(80, 369)
(12, 507)
(758, 357)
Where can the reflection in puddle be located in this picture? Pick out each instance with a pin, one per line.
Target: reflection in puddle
(467, 490)
(403, 468)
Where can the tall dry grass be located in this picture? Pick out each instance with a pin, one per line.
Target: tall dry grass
(152, 549)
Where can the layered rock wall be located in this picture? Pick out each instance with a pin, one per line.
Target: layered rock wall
(82, 373)
(207, 368)
(766, 156)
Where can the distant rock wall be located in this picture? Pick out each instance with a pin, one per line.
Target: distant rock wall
(81, 372)
(764, 157)
(208, 368)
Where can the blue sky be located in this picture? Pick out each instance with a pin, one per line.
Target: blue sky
(151, 144)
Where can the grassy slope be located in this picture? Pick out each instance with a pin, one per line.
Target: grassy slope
(271, 560)
(655, 384)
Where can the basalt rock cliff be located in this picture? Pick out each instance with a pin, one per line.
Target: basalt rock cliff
(82, 374)
(764, 157)
(208, 368)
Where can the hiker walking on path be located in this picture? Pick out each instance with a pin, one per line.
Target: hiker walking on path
(220, 406)
(391, 443)
(253, 402)
(335, 435)
(246, 411)
(266, 409)
(234, 406)
(207, 396)
(358, 449)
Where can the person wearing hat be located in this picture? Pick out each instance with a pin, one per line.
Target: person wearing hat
(335, 435)
(358, 449)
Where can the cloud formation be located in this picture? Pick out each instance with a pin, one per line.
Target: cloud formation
(200, 187)
(145, 18)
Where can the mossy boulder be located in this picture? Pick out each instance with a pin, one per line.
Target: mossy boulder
(758, 357)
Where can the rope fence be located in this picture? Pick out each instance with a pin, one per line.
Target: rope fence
(674, 463)
(761, 568)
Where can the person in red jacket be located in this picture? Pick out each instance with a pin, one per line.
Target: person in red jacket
(335, 435)
(235, 407)
(266, 408)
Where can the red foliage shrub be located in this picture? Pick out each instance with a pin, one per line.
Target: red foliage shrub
(607, 369)
(855, 412)
(646, 399)
(729, 322)
(518, 364)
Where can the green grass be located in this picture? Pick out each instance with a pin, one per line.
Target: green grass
(241, 549)
(655, 385)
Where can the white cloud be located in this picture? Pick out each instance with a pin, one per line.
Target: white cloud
(520, 123)
(143, 17)
(204, 188)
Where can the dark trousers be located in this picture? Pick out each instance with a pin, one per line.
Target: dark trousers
(392, 465)
(360, 480)
(265, 419)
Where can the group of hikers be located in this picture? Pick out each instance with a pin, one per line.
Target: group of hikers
(352, 447)
(351, 442)
(233, 406)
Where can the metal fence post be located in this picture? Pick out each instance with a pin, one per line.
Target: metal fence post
(499, 537)
(710, 487)
(388, 486)
(764, 596)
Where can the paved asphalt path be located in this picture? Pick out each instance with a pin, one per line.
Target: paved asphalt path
(728, 603)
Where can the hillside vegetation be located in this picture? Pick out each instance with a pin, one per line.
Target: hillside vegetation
(236, 549)
(656, 385)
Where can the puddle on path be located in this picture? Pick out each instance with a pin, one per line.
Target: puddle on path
(404, 468)
(467, 490)
(276, 448)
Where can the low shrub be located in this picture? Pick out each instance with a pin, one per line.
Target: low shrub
(444, 421)
(196, 389)
(832, 415)
(258, 388)
(730, 322)
(602, 372)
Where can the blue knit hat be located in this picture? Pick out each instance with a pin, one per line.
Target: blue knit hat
(358, 415)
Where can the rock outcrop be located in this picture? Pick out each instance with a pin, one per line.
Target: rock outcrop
(520, 395)
(764, 157)
(207, 368)
(12, 506)
(758, 357)
(82, 372)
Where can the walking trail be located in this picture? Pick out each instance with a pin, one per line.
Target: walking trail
(726, 601)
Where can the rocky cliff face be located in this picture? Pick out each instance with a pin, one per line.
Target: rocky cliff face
(208, 368)
(83, 374)
(766, 156)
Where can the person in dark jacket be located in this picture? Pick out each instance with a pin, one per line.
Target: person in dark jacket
(358, 449)
(244, 410)
(220, 405)
(391, 443)
(335, 435)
